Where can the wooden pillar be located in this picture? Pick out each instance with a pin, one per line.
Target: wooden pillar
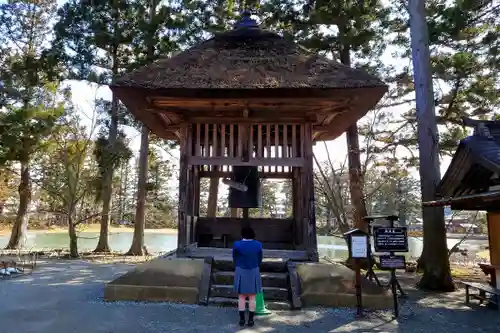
(307, 190)
(197, 184)
(191, 204)
(234, 212)
(297, 208)
(183, 186)
(196, 202)
(494, 241)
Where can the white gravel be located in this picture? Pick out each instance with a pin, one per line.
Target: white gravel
(66, 297)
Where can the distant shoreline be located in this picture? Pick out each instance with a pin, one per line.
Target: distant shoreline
(94, 228)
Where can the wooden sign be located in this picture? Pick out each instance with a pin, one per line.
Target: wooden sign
(359, 246)
(388, 239)
(392, 262)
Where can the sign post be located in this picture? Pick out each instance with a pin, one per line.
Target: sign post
(392, 239)
(358, 247)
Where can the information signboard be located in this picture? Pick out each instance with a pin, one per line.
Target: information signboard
(359, 246)
(388, 239)
(392, 262)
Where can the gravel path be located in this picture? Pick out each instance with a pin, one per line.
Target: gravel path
(66, 297)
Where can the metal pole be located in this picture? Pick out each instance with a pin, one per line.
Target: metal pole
(359, 297)
(394, 292)
(394, 281)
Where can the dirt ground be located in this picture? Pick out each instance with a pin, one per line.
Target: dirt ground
(63, 296)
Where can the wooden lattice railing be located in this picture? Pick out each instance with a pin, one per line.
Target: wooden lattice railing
(263, 144)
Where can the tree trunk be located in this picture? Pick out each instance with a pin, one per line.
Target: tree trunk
(121, 196)
(107, 183)
(20, 227)
(73, 239)
(434, 260)
(138, 248)
(3, 202)
(354, 160)
(328, 221)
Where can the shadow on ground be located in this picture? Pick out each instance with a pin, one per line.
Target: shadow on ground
(64, 296)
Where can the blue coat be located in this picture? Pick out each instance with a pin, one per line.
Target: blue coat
(247, 254)
(247, 257)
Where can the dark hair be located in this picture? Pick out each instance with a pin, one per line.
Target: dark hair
(247, 233)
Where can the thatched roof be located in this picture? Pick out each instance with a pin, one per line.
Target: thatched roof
(251, 65)
(247, 58)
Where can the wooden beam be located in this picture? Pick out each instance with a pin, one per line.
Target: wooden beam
(307, 188)
(268, 101)
(263, 175)
(289, 162)
(183, 188)
(269, 118)
(266, 229)
(297, 207)
(197, 185)
(493, 220)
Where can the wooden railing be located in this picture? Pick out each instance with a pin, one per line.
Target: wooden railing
(262, 144)
(266, 171)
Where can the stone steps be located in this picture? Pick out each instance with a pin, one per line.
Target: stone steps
(270, 293)
(274, 274)
(270, 265)
(269, 279)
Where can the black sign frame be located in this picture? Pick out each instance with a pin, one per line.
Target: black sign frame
(392, 258)
(387, 232)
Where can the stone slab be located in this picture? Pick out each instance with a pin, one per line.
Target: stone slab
(162, 279)
(117, 292)
(332, 285)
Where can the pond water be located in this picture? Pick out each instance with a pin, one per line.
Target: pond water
(333, 247)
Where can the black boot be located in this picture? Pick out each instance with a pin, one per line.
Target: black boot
(250, 319)
(242, 318)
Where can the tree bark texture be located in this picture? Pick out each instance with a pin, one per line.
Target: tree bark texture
(18, 234)
(107, 183)
(434, 260)
(354, 160)
(138, 248)
(4, 202)
(73, 238)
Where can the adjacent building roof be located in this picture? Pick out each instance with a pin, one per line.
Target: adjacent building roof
(474, 169)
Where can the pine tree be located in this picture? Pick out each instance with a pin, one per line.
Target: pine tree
(29, 94)
(463, 39)
(465, 58)
(155, 39)
(95, 41)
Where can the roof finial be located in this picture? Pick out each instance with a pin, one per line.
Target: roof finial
(246, 20)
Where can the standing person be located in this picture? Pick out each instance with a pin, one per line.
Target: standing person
(247, 257)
